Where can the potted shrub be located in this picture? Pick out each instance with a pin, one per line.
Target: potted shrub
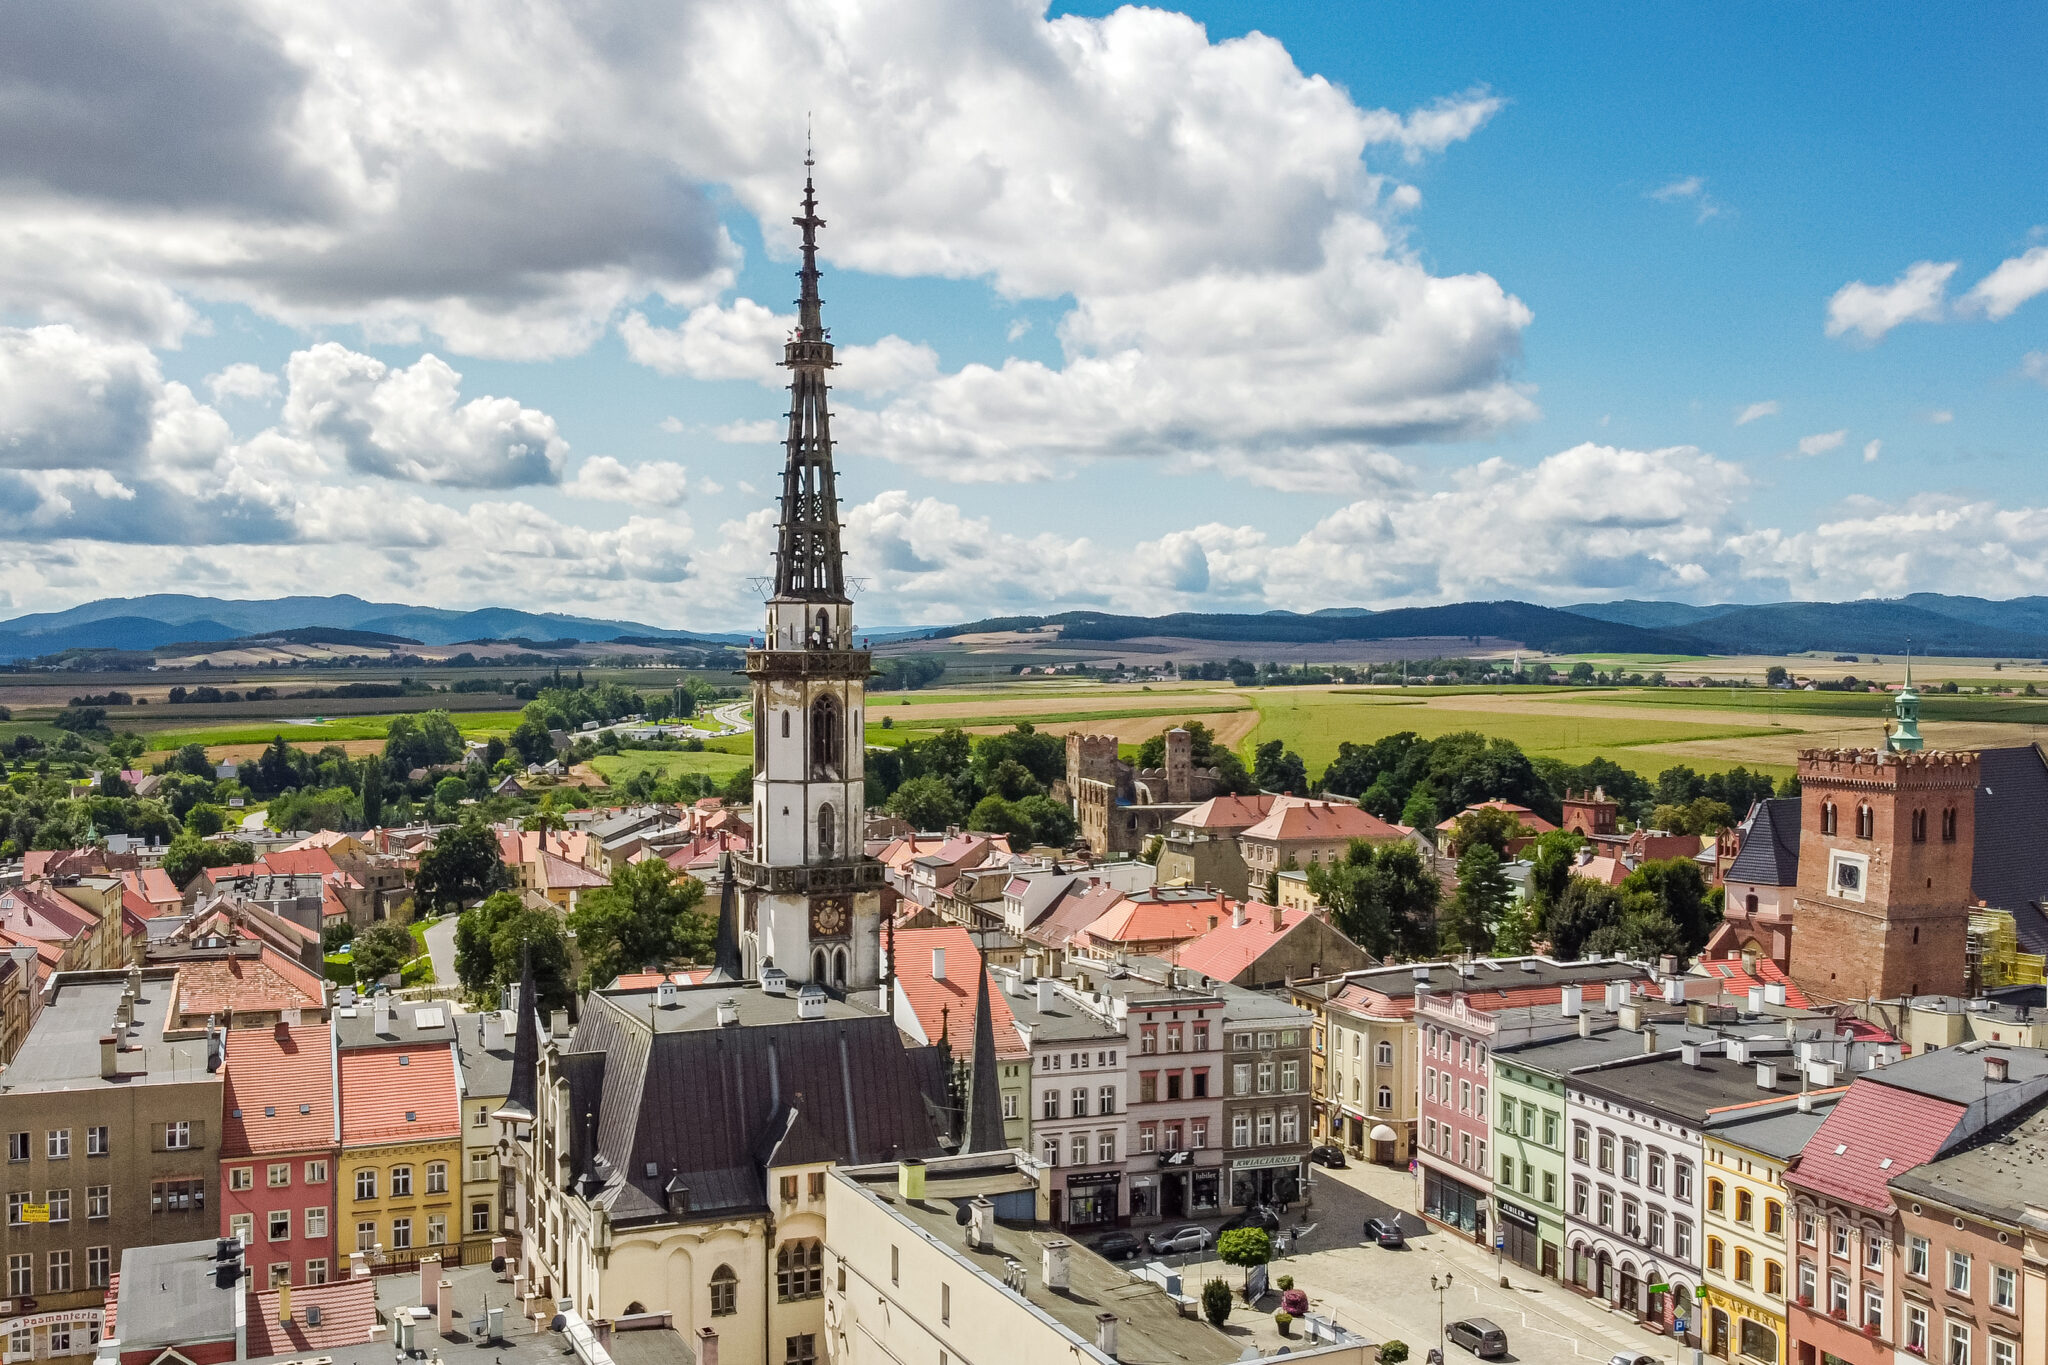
(1216, 1301)
(1294, 1301)
(1284, 1320)
(1393, 1352)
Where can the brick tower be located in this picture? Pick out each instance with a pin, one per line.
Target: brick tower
(1592, 815)
(1885, 844)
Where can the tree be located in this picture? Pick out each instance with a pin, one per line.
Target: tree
(1420, 811)
(1477, 904)
(381, 949)
(1641, 933)
(370, 782)
(1676, 890)
(1489, 825)
(544, 816)
(1216, 1304)
(420, 741)
(1393, 1352)
(1276, 768)
(1383, 897)
(1245, 1248)
(463, 866)
(206, 818)
(537, 933)
(1552, 856)
(187, 856)
(530, 738)
(1052, 823)
(273, 771)
(476, 966)
(192, 759)
(637, 920)
(926, 803)
(1044, 757)
(993, 815)
(1585, 908)
(1776, 676)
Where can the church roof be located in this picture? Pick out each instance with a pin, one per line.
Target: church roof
(1770, 848)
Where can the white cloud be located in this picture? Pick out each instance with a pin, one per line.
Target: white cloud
(2017, 279)
(410, 424)
(1870, 451)
(742, 340)
(1435, 126)
(1692, 190)
(1822, 442)
(242, 380)
(1018, 327)
(1767, 408)
(2034, 365)
(656, 483)
(1941, 417)
(672, 425)
(1872, 310)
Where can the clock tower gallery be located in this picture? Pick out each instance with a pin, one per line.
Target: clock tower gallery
(811, 896)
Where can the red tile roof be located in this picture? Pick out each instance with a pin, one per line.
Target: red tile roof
(1295, 819)
(1083, 903)
(948, 1005)
(1228, 814)
(1740, 982)
(154, 885)
(348, 1309)
(270, 1079)
(266, 983)
(36, 912)
(381, 1085)
(1874, 1123)
(1529, 818)
(1145, 919)
(304, 862)
(641, 981)
(1229, 948)
(559, 874)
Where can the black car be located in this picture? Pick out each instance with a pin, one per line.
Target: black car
(1384, 1232)
(1119, 1246)
(1329, 1154)
(1256, 1216)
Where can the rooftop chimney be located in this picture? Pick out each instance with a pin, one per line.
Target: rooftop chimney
(1756, 999)
(381, 1015)
(1053, 1263)
(1767, 1075)
(810, 1002)
(1995, 1068)
(1237, 915)
(1774, 992)
(1689, 1053)
(1044, 988)
(1585, 1025)
(1568, 1001)
(1631, 1015)
(981, 1224)
(938, 964)
(1105, 1334)
(707, 1346)
(491, 1030)
(1674, 990)
(665, 994)
(728, 1012)
(1279, 919)
(110, 1056)
(1649, 1038)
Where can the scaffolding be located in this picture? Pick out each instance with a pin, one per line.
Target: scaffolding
(1994, 956)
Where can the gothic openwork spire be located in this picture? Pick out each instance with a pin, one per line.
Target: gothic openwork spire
(808, 565)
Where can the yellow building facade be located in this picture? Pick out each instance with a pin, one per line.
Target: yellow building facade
(1745, 1226)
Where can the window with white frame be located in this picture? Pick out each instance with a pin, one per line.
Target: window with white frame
(1873, 1308)
(1916, 1329)
(1958, 1342)
(2005, 1287)
(1959, 1272)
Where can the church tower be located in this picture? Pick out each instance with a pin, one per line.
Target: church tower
(812, 898)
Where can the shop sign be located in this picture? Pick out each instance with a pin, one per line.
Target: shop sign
(79, 1317)
(1183, 1157)
(1098, 1178)
(1264, 1163)
(1516, 1214)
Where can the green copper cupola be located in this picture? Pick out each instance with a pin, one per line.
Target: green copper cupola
(1905, 733)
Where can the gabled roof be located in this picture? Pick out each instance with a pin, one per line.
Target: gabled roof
(1228, 814)
(1229, 948)
(265, 983)
(1875, 1133)
(1603, 869)
(398, 1094)
(300, 862)
(947, 1006)
(1084, 902)
(279, 1090)
(155, 887)
(1292, 819)
(2010, 866)
(34, 911)
(559, 874)
(1535, 823)
(1155, 916)
(348, 1311)
(1738, 980)
(1770, 845)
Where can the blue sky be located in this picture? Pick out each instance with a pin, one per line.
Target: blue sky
(1237, 307)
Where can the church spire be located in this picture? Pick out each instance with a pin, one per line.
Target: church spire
(984, 1128)
(1905, 736)
(808, 565)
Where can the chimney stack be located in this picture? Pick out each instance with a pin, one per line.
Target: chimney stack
(707, 1346)
(110, 1056)
(1995, 1068)
(1237, 915)
(1689, 1053)
(1105, 1334)
(728, 1012)
(1756, 999)
(1053, 1269)
(665, 994)
(1774, 992)
(1569, 999)
(1279, 919)
(938, 964)
(1649, 1038)
(1767, 1075)
(1585, 1025)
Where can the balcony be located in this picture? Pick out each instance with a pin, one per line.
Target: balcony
(821, 879)
(809, 663)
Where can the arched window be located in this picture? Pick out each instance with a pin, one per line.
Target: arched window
(725, 1292)
(1385, 1053)
(1744, 1265)
(800, 1270)
(839, 957)
(1774, 1278)
(1745, 1206)
(1386, 1099)
(1715, 1195)
(1827, 816)
(1714, 1253)
(1866, 822)
(1919, 826)
(828, 826)
(1948, 825)
(1774, 1218)
(818, 965)
(826, 740)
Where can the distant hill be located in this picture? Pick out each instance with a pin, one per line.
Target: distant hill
(1933, 623)
(174, 618)
(1648, 615)
(1543, 628)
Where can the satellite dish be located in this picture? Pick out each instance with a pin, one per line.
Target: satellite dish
(558, 1323)
(498, 1264)
(961, 1215)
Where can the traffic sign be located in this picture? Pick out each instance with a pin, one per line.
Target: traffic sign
(1679, 1326)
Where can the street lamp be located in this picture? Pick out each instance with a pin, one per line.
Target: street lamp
(1440, 1286)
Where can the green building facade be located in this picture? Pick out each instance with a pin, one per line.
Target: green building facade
(1529, 1186)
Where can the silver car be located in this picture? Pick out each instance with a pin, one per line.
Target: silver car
(1185, 1239)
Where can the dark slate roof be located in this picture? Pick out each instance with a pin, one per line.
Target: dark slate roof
(711, 1108)
(2009, 870)
(1770, 851)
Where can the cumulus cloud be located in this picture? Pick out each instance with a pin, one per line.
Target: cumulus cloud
(657, 483)
(1767, 408)
(1870, 311)
(410, 423)
(1941, 417)
(1870, 451)
(242, 380)
(1820, 443)
(2017, 279)
(1435, 126)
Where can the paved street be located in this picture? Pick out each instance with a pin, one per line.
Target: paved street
(1386, 1294)
(440, 936)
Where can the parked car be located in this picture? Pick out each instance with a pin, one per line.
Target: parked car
(1632, 1358)
(1481, 1336)
(1119, 1246)
(1329, 1154)
(1384, 1232)
(1189, 1238)
(1256, 1216)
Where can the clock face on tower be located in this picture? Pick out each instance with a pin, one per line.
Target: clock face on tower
(830, 916)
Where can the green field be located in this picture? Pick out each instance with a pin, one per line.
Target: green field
(1793, 705)
(1313, 724)
(616, 768)
(473, 723)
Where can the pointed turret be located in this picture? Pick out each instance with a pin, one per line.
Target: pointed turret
(1905, 735)
(726, 962)
(808, 564)
(523, 1091)
(984, 1129)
